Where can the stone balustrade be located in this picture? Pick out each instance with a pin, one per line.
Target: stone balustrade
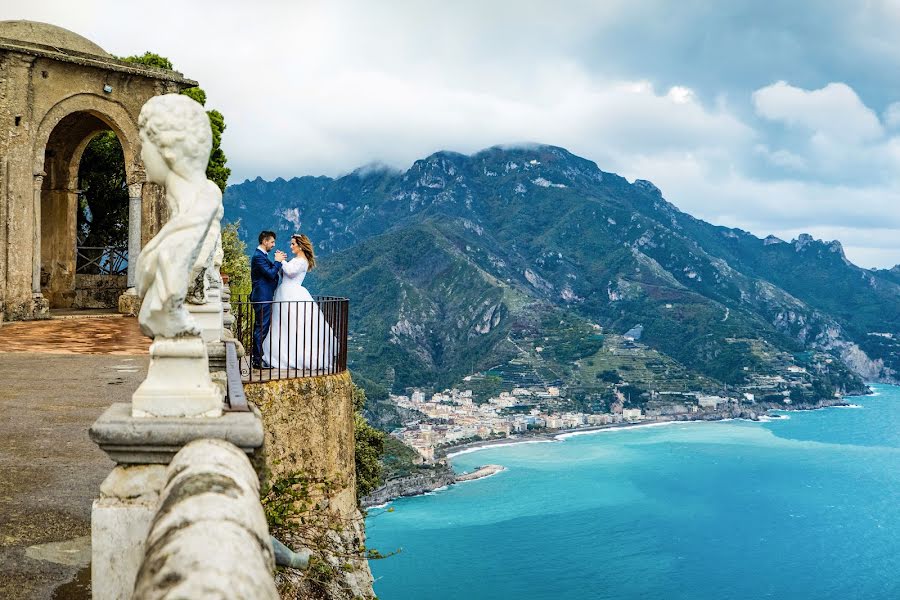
(208, 538)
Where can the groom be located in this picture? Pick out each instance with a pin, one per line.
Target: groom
(264, 276)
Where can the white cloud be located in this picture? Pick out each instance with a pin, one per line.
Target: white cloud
(322, 88)
(892, 115)
(835, 111)
(680, 94)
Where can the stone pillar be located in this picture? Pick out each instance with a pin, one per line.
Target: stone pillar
(18, 191)
(120, 522)
(36, 240)
(227, 317)
(134, 229)
(130, 302)
(40, 304)
(129, 497)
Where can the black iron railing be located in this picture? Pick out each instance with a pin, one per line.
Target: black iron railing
(291, 339)
(101, 260)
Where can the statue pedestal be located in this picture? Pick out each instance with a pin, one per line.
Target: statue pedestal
(40, 306)
(130, 302)
(120, 520)
(178, 383)
(209, 317)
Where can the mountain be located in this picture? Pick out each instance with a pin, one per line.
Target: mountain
(512, 261)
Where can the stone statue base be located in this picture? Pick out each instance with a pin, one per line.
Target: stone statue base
(40, 307)
(178, 383)
(122, 515)
(130, 302)
(209, 317)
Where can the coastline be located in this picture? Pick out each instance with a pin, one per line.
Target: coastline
(383, 496)
(480, 473)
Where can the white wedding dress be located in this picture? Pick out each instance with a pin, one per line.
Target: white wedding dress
(297, 322)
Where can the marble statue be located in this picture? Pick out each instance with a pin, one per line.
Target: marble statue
(175, 144)
(176, 140)
(205, 273)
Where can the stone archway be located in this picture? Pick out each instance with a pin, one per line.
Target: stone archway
(62, 138)
(58, 90)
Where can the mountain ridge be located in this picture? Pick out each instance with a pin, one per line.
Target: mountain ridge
(540, 230)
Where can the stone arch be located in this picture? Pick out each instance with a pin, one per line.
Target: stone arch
(113, 114)
(62, 138)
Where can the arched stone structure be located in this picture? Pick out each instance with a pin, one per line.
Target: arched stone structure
(58, 90)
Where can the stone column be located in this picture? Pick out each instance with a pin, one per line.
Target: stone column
(40, 306)
(129, 302)
(134, 229)
(36, 251)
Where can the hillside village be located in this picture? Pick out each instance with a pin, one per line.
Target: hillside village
(446, 419)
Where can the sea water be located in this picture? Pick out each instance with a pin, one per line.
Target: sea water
(806, 506)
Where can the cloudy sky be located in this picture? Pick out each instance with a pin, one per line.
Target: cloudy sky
(775, 117)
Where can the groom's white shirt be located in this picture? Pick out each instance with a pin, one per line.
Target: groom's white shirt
(263, 250)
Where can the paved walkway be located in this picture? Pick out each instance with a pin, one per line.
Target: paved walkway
(56, 377)
(90, 335)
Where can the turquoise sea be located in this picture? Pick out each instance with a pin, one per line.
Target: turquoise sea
(802, 507)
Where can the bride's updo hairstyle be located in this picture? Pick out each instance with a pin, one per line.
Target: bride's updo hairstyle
(307, 247)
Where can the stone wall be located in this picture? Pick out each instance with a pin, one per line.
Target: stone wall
(309, 431)
(98, 291)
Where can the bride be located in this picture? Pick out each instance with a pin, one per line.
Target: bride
(297, 319)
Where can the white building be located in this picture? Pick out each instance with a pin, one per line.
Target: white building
(631, 414)
(710, 401)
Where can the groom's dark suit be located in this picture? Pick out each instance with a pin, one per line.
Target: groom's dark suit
(264, 276)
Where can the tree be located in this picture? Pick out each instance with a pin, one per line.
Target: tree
(216, 171)
(236, 263)
(103, 203)
(369, 448)
(149, 59)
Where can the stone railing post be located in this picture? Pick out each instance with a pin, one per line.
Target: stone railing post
(227, 316)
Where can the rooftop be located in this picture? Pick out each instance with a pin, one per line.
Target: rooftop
(45, 34)
(51, 41)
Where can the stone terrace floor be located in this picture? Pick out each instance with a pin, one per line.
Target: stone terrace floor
(56, 377)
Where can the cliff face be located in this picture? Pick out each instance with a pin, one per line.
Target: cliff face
(310, 488)
(412, 485)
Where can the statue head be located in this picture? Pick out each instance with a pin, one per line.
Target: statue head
(175, 137)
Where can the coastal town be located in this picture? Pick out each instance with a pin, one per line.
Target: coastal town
(452, 417)
(514, 401)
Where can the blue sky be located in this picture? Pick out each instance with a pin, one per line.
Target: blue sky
(775, 117)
